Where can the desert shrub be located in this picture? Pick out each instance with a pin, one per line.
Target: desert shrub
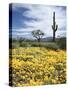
(35, 44)
(24, 44)
(48, 45)
(15, 45)
(62, 43)
(53, 46)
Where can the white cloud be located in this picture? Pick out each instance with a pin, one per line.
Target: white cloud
(44, 14)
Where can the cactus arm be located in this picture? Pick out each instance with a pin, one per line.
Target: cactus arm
(56, 27)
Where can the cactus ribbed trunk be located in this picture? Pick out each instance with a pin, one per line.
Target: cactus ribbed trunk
(54, 26)
(53, 35)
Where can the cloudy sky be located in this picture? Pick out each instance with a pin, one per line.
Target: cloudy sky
(29, 17)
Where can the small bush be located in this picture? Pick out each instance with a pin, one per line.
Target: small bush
(15, 45)
(53, 46)
(24, 44)
(62, 43)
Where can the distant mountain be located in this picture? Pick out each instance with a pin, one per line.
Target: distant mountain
(47, 39)
(34, 39)
(51, 38)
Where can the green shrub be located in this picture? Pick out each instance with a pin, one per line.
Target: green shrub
(48, 45)
(15, 45)
(24, 44)
(53, 46)
(62, 43)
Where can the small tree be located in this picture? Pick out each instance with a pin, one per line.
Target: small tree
(38, 34)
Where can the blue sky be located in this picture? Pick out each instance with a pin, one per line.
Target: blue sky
(29, 17)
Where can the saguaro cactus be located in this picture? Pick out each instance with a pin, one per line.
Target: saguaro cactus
(54, 26)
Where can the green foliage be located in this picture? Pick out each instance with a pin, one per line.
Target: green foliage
(15, 45)
(59, 44)
(24, 44)
(62, 43)
(48, 45)
(52, 46)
